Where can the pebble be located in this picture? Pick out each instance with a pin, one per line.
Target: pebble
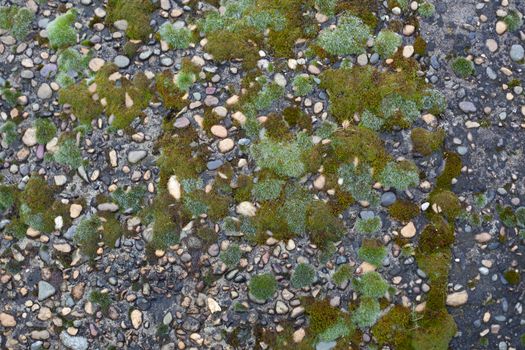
(219, 131)
(136, 156)
(121, 61)
(45, 290)
(409, 230)
(226, 145)
(467, 107)
(44, 91)
(517, 53)
(214, 164)
(388, 198)
(457, 298)
(74, 343)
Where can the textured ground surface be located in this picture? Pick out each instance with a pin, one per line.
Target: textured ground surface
(135, 243)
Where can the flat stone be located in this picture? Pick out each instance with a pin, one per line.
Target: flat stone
(7, 320)
(45, 290)
(226, 145)
(181, 123)
(501, 27)
(174, 187)
(121, 24)
(213, 305)
(136, 318)
(467, 107)
(75, 210)
(409, 230)
(29, 138)
(408, 51)
(483, 237)
(95, 64)
(388, 198)
(457, 299)
(44, 91)
(74, 343)
(517, 52)
(214, 164)
(121, 61)
(136, 156)
(219, 131)
(492, 45)
(246, 209)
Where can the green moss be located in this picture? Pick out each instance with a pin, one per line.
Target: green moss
(512, 276)
(87, 235)
(112, 230)
(184, 80)
(366, 10)
(400, 175)
(384, 94)
(9, 133)
(369, 225)
(387, 43)
(45, 130)
(349, 37)
(342, 274)
(513, 20)
(268, 189)
(10, 96)
(403, 210)
(426, 142)
(434, 332)
(7, 197)
(323, 226)
(447, 203)
(303, 276)
(61, 32)
(303, 85)
(225, 45)
(372, 251)
(168, 90)
(358, 182)
(231, 256)
(394, 328)
(68, 154)
(321, 315)
(70, 65)
(135, 12)
(176, 38)
(262, 286)
(420, 46)
(16, 228)
(367, 313)
(129, 201)
(326, 7)
(520, 216)
(7, 14)
(426, 9)
(81, 102)
(506, 215)
(435, 236)
(284, 158)
(371, 284)
(37, 206)
(22, 21)
(463, 67)
(103, 300)
(294, 116)
(452, 170)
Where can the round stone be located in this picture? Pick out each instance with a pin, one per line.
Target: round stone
(517, 52)
(121, 61)
(219, 131)
(226, 145)
(44, 91)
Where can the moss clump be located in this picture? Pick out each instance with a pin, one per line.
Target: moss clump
(512, 276)
(176, 38)
(135, 12)
(37, 207)
(420, 46)
(16, 20)
(368, 225)
(403, 210)
(342, 274)
(101, 299)
(294, 116)
(426, 9)
(452, 170)
(10, 96)
(185, 79)
(463, 67)
(82, 104)
(231, 256)
(394, 328)
(168, 90)
(445, 202)
(9, 133)
(349, 37)
(323, 226)
(87, 235)
(435, 331)
(371, 284)
(129, 201)
(71, 64)
(60, 31)
(45, 130)
(367, 313)
(68, 154)
(391, 96)
(520, 216)
(358, 182)
(400, 175)
(387, 43)
(326, 7)
(284, 158)
(112, 230)
(426, 142)
(268, 189)
(372, 251)
(263, 286)
(321, 315)
(302, 276)
(124, 99)
(303, 85)
(435, 236)
(7, 197)
(506, 215)
(225, 45)
(513, 20)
